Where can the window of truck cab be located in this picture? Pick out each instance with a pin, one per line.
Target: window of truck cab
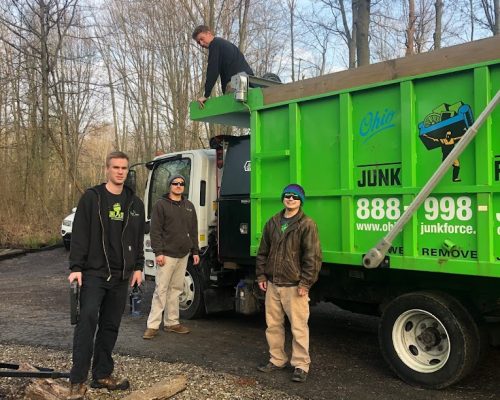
(162, 172)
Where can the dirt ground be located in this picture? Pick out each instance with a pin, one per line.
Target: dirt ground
(346, 361)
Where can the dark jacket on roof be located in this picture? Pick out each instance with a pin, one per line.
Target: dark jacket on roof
(226, 60)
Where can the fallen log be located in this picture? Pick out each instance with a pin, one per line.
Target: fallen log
(160, 391)
(46, 389)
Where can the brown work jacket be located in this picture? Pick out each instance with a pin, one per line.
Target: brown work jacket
(292, 257)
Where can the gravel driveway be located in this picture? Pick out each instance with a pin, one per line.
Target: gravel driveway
(219, 355)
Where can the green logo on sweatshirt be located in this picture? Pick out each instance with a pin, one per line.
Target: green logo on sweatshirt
(116, 214)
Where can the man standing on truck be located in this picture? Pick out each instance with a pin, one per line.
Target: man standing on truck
(287, 265)
(224, 59)
(174, 236)
(106, 254)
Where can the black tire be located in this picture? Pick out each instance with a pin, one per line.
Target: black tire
(67, 243)
(191, 303)
(429, 339)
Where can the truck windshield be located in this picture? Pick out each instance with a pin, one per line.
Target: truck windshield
(162, 173)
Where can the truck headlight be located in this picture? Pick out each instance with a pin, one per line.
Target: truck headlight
(67, 222)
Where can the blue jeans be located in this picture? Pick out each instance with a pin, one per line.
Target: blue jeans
(102, 304)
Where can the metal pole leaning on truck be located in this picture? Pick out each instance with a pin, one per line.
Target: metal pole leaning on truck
(376, 254)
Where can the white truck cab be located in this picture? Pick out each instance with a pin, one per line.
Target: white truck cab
(198, 167)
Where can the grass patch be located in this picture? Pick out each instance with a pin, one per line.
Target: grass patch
(30, 233)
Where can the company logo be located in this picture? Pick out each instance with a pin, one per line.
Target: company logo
(248, 166)
(116, 214)
(375, 122)
(443, 128)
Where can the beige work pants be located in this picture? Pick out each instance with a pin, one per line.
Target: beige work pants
(286, 300)
(169, 286)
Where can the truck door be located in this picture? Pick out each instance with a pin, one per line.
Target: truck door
(234, 203)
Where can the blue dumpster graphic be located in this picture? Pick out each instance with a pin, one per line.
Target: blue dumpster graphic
(444, 127)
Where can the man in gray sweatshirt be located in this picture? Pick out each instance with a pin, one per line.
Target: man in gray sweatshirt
(174, 236)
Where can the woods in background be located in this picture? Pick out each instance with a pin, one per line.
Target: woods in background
(79, 78)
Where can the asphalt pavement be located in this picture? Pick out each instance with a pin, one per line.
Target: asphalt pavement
(346, 361)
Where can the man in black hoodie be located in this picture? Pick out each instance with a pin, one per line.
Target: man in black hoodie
(224, 59)
(106, 254)
(174, 236)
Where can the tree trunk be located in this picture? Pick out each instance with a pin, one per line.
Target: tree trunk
(410, 30)
(496, 10)
(291, 8)
(45, 100)
(438, 29)
(362, 32)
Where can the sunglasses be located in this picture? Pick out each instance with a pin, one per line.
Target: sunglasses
(177, 184)
(291, 196)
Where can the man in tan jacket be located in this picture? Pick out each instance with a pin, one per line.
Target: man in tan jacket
(288, 264)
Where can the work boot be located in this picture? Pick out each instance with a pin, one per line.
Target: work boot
(150, 333)
(110, 383)
(299, 375)
(176, 328)
(77, 391)
(270, 367)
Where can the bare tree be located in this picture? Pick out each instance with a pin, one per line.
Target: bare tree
(438, 28)
(362, 22)
(491, 9)
(37, 31)
(292, 4)
(410, 30)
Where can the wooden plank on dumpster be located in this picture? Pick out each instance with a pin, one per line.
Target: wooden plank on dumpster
(160, 391)
(479, 51)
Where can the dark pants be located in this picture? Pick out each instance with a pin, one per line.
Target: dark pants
(101, 304)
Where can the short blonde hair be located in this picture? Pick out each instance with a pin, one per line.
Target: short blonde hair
(115, 154)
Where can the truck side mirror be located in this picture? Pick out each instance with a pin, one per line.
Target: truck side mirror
(131, 180)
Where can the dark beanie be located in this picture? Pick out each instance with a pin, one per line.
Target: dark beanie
(295, 189)
(175, 177)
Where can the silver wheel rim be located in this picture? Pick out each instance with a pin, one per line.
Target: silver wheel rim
(187, 296)
(421, 341)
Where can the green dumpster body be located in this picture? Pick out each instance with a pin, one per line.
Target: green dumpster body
(363, 143)
(362, 154)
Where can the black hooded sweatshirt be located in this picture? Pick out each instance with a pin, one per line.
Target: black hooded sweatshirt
(226, 60)
(89, 240)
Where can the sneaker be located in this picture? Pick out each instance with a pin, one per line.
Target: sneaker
(150, 333)
(270, 367)
(77, 391)
(299, 375)
(176, 328)
(110, 383)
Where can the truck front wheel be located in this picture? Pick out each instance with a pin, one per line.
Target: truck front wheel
(429, 339)
(191, 304)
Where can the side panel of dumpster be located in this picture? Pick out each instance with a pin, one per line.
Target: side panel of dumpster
(362, 155)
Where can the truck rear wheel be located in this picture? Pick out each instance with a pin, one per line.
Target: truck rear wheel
(191, 304)
(429, 339)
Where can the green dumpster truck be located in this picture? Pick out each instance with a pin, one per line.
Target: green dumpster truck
(364, 144)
